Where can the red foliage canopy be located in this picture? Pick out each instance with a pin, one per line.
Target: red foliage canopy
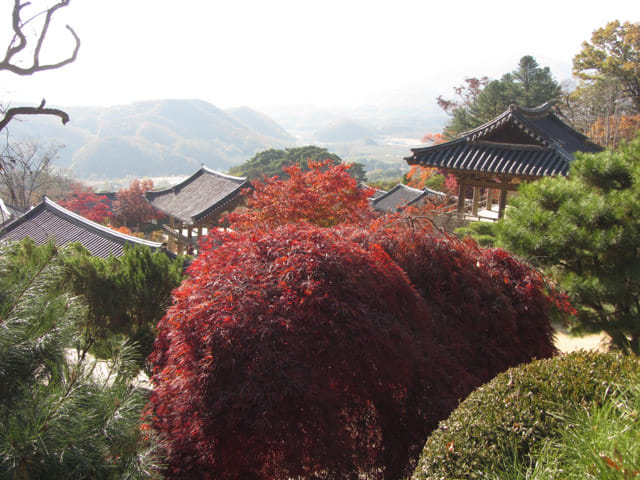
(325, 195)
(86, 203)
(303, 352)
(296, 353)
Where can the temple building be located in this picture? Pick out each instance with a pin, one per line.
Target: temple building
(521, 144)
(196, 204)
(48, 220)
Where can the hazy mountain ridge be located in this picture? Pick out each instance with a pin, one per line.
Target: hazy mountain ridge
(174, 137)
(165, 137)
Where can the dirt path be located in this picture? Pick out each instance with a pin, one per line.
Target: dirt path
(567, 344)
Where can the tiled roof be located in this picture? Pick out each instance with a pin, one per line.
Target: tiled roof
(401, 196)
(204, 193)
(49, 220)
(520, 141)
(525, 160)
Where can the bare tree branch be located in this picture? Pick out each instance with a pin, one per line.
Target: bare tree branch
(28, 172)
(39, 110)
(20, 41)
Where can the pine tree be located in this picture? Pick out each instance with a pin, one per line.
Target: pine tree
(529, 86)
(62, 414)
(584, 230)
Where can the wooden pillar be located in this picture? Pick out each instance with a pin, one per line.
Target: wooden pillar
(196, 249)
(461, 187)
(189, 238)
(171, 243)
(476, 200)
(180, 247)
(502, 202)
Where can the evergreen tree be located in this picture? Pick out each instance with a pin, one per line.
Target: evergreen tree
(269, 163)
(62, 414)
(584, 230)
(527, 86)
(531, 84)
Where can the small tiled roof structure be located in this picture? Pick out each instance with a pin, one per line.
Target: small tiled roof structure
(48, 220)
(402, 196)
(520, 144)
(203, 194)
(197, 203)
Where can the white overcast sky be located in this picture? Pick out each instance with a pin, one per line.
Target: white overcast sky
(321, 52)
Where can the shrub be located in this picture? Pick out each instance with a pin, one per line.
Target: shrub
(295, 353)
(489, 310)
(126, 295)
(481, 232)
(517, 413)
(311, 350)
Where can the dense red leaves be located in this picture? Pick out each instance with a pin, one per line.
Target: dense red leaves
(296, 353)
(303, 352)
(490, 310)
(86, 203)
(325, 195)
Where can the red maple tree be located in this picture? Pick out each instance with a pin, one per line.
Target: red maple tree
(296, 353)
(131, 206)
(324, 195)
(307, 352)
(83, 201)
(294, 350)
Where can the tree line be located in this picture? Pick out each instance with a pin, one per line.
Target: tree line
(605, 103)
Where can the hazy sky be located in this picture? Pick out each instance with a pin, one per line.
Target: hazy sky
(324, 52)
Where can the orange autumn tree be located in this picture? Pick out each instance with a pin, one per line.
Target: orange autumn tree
(421, 177)
(610, 131)
(324, 195)
(418, 175)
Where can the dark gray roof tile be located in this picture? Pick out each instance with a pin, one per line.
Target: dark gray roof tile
(48, 220)
(546, 146)
(401, 196)
(203, 193)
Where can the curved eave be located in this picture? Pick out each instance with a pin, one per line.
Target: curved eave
(522, 123)
(211, 210)
(151, 194)
(498, 159)
(190, 217)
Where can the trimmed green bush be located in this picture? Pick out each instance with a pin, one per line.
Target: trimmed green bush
(518, 411)
(481, 232)
(126, 295)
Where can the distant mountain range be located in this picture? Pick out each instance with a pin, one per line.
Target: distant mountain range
(152, 138)
(174, 137)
